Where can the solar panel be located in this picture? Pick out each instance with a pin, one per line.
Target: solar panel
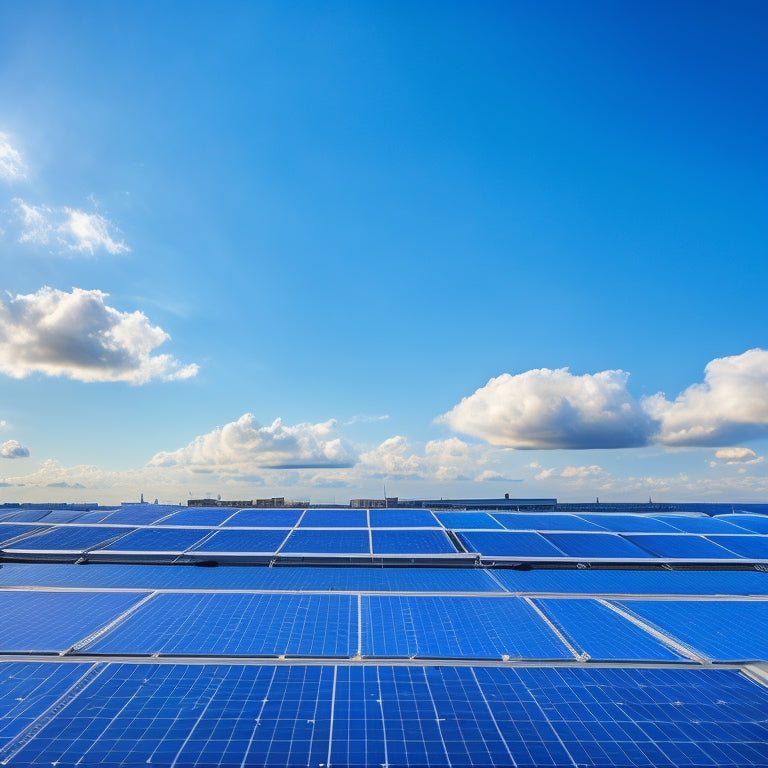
(54, 621)
(684, 546)
(700, 524)
(334, 518)
(9, 531)
(755, 523)
(509, 544)
(456, 627)
(265, 518)
(531, 521)
(327, 542)
(629, 523)
(596, 630)
(61, 516)
(68, 538)
(267, 542)
(754, 547)
(411, 543)
(139, 514)
(458, 521)
(403, 518)
(597, 546)
(158, 540)
(723, 630)
(198, 516)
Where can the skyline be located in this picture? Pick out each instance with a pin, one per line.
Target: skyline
(312, 251)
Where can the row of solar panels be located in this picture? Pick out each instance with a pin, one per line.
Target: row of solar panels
(203, 517)
(105, 542)
(382, 626)
(120, 714)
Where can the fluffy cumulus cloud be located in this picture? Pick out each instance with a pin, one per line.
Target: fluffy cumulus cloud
(13, 449)
(736, 456)
(729, 406)
(546, 408)
(554, 409)
(243, 445)
(77, 335)
(12, 165)
(69, 229)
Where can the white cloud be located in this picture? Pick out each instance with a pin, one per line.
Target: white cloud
(546, 408)
(591, 471)
(13, 449)
(243, 445)
(12, 165)
(78, 336)
(730, 405)
(70, 229)
(740, 456)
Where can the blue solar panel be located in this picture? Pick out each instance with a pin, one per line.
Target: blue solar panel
(139, 514)
(458, 521)
(265, 518)
(28, 690)
(246, 577)
(531, 521)
(594, 629)
(754, 547)
(198, 516)
(755, 523)
(723, 630)
(411, 543)
(54, 621)
(237, 624)
(69, 538)
(700, 524)
(456, 627)
(509, 544)
(629, 523)
(158, 540)
(596, 546)
(327, 542)
(10, 531)
(334, 518)
(91, 518)
(61, 516)
(403, 518)
(243, 541)
(681, 545)
(635, 582)
(28, 516)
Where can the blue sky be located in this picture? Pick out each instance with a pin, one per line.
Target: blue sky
(313, 249)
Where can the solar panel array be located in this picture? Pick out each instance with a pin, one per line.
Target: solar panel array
(481, 643)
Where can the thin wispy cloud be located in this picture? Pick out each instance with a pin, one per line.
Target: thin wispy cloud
(70, 230)
(12, 165)
(78, 336)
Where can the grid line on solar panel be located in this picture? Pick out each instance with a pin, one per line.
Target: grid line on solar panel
(594, 629)
(55, 621)
(456, 627)
(237, 624)
(722, 630)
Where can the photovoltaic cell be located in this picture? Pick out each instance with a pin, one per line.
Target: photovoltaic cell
(684, 546)
(531, 521)
(265, 518)
(458, 521)
(456, 627)
(61, 516)
(69, 538)
(327, 542)
(199, 516)
(629, 523)
(243, 541)
(594, 629)
(403, 518)
(139, 514)
(10, 531)
(756, 523)
(158, 540)
(237, 624)
(509, 544)
(597, 545)
(54, 621)
(723, 630)
(411, 543)
(754, 547)
(334, 518)
(635, 582)
(700, 524)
